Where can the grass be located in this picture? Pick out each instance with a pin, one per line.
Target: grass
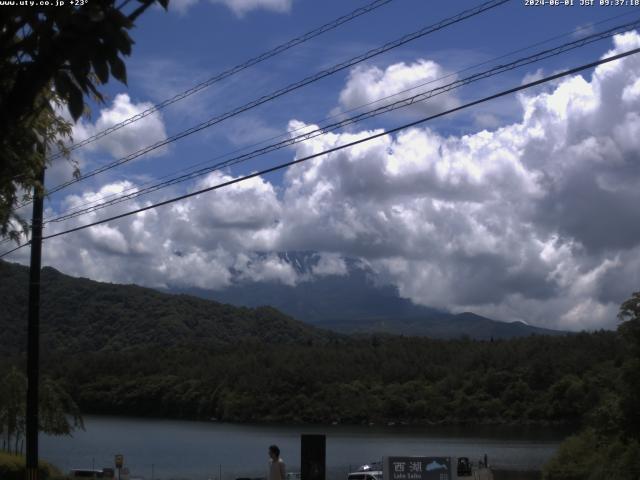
(12, 467)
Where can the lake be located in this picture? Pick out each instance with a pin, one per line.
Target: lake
(170, 449)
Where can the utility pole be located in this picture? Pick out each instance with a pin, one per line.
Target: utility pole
(33, 329)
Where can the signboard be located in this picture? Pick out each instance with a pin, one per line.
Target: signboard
(119, 461)
(313, 453)
(417, 468)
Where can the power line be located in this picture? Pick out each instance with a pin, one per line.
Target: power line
(135, 189)
(15, 249)
(420, 97)
(347, 145)
(294, 86)
(232, 71)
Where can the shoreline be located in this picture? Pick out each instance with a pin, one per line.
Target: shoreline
(569, 428)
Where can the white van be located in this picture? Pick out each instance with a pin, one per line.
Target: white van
(367, 475)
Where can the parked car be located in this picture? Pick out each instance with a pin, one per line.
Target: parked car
(365, 475)
(373, 466)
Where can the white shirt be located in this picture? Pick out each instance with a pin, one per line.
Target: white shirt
(277, 470)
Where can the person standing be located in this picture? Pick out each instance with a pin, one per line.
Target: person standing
(277, 469)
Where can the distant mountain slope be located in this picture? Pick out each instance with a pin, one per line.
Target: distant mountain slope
(80, 315)
(354, 303)
(323, 299)
(443, 326)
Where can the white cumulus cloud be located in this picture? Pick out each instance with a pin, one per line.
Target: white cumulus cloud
(137, 135)
(535, 221)
(368, 84)
(239, 7)
(330, 264)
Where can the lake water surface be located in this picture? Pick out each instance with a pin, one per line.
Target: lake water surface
(169, 449)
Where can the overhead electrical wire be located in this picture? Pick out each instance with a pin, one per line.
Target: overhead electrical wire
(403, 103)
(282, 166)
(136, 188)
(230, 72)
(294, 86)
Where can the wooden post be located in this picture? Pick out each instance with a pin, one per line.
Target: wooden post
(313, 465)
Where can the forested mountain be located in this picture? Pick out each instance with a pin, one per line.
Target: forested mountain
(135, 351)
(442, 325)
(353, 302)
(533, 380)
(80, 315)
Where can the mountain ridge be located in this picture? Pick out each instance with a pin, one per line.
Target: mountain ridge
(355, 303)
(81, 315)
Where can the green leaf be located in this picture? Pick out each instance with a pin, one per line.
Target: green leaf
(96, 15)
(124, 42)
(62, 84)
(80, 76)
(95, 91)
(76, 102)
(118, 68)
(99, 63)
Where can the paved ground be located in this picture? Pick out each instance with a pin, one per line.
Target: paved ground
(482, 474)
(500, 474)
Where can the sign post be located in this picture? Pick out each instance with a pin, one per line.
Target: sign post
(417, 468)
(119, 464)
(313, 455)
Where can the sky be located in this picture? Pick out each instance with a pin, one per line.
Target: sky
(523, 208)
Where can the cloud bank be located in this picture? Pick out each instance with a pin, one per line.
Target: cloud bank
(537, 220)
(131, 138)
(367, 84)
(239, 7)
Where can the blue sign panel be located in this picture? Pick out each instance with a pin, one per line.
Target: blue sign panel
(417, 468)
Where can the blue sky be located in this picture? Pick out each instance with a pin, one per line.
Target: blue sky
(178, 49)
(519, 209)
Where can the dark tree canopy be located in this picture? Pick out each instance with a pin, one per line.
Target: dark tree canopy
(123, 349)
(630, 331)
(52, 57)
(609, 446)
(59, 413)
(629, 315)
